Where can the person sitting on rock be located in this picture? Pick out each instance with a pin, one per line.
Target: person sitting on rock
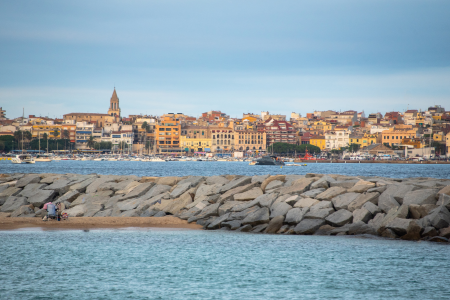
(51, 211)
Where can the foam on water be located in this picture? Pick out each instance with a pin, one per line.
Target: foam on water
(183, 264)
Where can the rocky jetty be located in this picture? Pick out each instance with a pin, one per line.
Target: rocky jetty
(406, 208)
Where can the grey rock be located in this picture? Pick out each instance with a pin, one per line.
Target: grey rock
(339, 218)
(259, 178)
(40, 213)
(323, 183)
(124, 187)
(376, 222)
(360, 228)
(233, 225)
(312, 193)
(347, 184)
(444, 200)
(363, 199)
(275, 224)
(92, 188)
(279, 209)
(439, 218)
(216, 224)
(77, 211)
(216, 180)
(95, 198)
(388, 233)
(292, 200)
(283, 229)
(157, 190)
(399, 226)
(298, 187)
(229, 194)
(26, 180)
(70, 196)
(60, 186)
(242, 214)
(11, 191)
(159, 214)
(267, 200)
(92, 209)
(193, 180)
(134, 213)
(242, 181)
(41, 197)
(81, 186)
(295, 215)
(206, 190)
(420, 197)
(290, 179)
(249, 195)
(260, 216)
(361, 187)
(306, 202)
(343, 201)
(178, 204)
(412, 232)
(429, 232)
(139, 191)
(186, 214)
(180, 189)
(361, 214)
(30, 189)
(372, 208)
(107, 186)
(438, 239)
(245, 228)
(309, 226)
(259, 228)
(208, 211)
(331, 193)
(104, 213)
(398, 191)
(227, 207)
(322, 205)
(319, 213)
(386, 202)
(129, 204)
(274, 185)
(171, 181)
(379, 189)
(22, 211)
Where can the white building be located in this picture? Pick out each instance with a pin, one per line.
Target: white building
(118, 137)
(83, 132)
(337, 139)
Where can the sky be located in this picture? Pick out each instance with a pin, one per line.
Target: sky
(58, 57)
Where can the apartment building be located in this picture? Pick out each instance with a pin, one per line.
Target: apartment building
(222, 138)
(250, 140)
(84, 130)
(337, 139)
(279, 132)
(318, 141)
(167, 132)
(394, 135)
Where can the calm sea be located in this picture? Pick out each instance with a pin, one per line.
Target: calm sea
(220, 168)
(185, 264)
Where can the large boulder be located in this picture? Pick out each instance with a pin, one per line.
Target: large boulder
(399, 226)
(322, 205)
(376, 222)
(309, 226)
(274, 185)
(217, 222)
(41, 197)
(306, 202)
(239, 215)
(229, 194)
(26, 180)
(398, 191)
(386, 202)
(260, 216)
(82, 186)
(11, 191)
(361, 186)
(298, 187)
(157, 190)
(227, 207)
(77, 211)
(242, 181)
(92, 188)
(124, 187)
(171, 181)
(249, 195)
(319, 213)
(178, 204)
(60, 186)
(279, 209)
(207, 190)
(362, 199)
(218, 180)
(312, 193)
(193, 180)
(339, 218)
(70, 196)
(444, 200)
(129, 204)
(267, 199)
(323, 182)
(438, 218)
(97, 198)
(292, 200)
(259, 178)
(180, 189)
(346, 184)
(372, 208)
(208, 211)
(343, 201)
(360, 228)
(140, 190)
(361, 214)
(331, 193)
(233, 225)
(295, 215)
(445, 190)
(270, 179)
(31, 189)
(412, 232)
(23, 211)
(420, 197)
(275, 224)
(420, 211)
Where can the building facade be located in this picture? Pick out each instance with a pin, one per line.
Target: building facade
(250, 140)
(114, 109)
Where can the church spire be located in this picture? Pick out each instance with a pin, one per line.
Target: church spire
(114, 109)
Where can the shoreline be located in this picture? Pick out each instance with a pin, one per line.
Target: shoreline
(96, 223)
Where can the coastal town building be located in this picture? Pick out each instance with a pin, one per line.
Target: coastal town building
(114, 109)
(447, 144)
(84, 130)
(222, 139)
(279, 132)
(2, 114)
(318, 141)
(394, 135)
(337, 139)
(376, 149)
(363, 140)
(167, 133)
(250, 140)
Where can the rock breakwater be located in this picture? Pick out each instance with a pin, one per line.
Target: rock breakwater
(406, 208)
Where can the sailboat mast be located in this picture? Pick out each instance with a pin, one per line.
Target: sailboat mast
(23, 118)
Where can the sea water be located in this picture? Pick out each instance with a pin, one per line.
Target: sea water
(178, 168)
(189, 264)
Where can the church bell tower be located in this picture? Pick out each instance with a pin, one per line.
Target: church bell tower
(114, 109)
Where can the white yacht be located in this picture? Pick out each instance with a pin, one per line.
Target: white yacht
(43, 158)
(156, 159)
(23, 159)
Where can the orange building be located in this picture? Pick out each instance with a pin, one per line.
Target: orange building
(168, 133)
(395, 135)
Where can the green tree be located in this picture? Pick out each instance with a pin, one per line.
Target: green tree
(45, 136)
(145, 126)
(91, 142)
(123, 145)
(18, 135)
(285, 148)
(56, 133)
(2, 146)
(65, 134)
(353, 147)
(105, 145)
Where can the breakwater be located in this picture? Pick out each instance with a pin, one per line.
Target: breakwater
(407, 208)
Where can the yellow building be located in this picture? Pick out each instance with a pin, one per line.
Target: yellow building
(322, 125)
(198, 144)
(168, 132)
(249, 140)
(318, 141)
(363, 140)
(39, 130)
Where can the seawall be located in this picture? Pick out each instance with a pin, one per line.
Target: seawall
(407, 208)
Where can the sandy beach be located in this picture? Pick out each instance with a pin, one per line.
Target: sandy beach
(96, 223)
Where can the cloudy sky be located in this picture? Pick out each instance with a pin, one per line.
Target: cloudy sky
(58, 57)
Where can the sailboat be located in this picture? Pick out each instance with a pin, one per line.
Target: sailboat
(23, 158)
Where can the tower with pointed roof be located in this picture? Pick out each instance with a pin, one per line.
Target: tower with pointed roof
(114, 109)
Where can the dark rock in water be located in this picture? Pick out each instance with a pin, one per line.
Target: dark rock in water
(438, 239)
(233, 225)
(324, 230)
(388, 233)
(340, 230)
(412, 232)
(445, 232)
(245, 228)
(217, 222)
(360, 228)
(201, 222)
(439, 218)
(429, 232)
(275, 224)
(339, 218)
(259, 228)
(308, 226)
